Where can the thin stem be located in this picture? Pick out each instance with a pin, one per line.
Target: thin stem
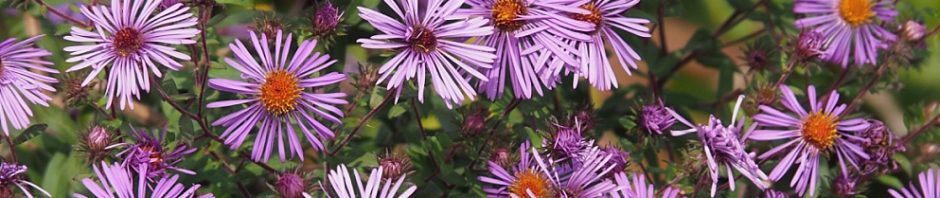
(662, 28)
(12, 147)
(362, 122)
(786, 74)
(923, 128)
(206, 12)
(63, 15)
(835, 85)
(202, 122)
(855, 102)
(262, 165)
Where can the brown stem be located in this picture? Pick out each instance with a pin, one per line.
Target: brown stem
(512, 105)
(202, 122)
(206, 13)
(63, 15)
(855, 102)
(662, 28)
(786, 74)
(923, 128)
(12, 148)
(362, 122)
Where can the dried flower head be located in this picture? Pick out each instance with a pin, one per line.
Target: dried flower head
(502, 157)
(845, 186)
(879, 142)
(809, 45)
(474, 123)
(326, 20)
(759, 55)
(655, 118)
(395, 165)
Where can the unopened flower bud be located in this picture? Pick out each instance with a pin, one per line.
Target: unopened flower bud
(474, 123)
(810, 44)
(912, 31)
(326, 20)
(394, 166)
(290, 185)
(655, 118)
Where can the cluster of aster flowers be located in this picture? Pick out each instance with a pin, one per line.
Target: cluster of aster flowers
(523, 43)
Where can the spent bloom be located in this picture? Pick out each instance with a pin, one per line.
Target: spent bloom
(345, 186)
(528, 33)
(845, 186)
(851, 27)
(809, 135)
(655, 118)
(326, 19)
(771, 193)
(291, 185)
(523, 179)
(115, 180)
(608, 17)
(637, 187)
(619, 159)
(22, 82)
(810, 44)
(567, 142)
(430, 45)
(723, 146)
(149, 150)
(586, 178)
(879, 142)
(280, 97)
(12, 175)
(929, 186)
(131, 38)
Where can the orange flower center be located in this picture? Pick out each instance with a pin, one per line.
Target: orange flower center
(819, 130)
(505, 13)
(594, 17)
(423, 40)
(531, 181)
(127, 41)
(856, 12)
(280, 92)
(156, 157)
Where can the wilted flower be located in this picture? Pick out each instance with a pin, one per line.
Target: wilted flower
(149, 150)
(585, 119)
(619, 159)
(12, 175)
(723, 147)
(810, 44)
(345, 186)
(75, 93)
(844, 186)
(474, 123)
(22, 82)
(851, 27)
(430, 44)
(567, 142)
(395, 165)
(131, 42)
(117, 181)
(879, 142)
(291, 185)
(808, 136)
(758, 56)
(655, 118)
(279, 97)
(913, 31)
(929, 183)
(326, 20)
(583, 179)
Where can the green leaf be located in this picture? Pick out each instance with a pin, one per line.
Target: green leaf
(627, 122)
(243, 3)
(378, 95)
(396, 111)
(892, 181)
(740, 4)
(29, 133)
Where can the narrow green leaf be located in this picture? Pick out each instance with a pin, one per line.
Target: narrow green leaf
(29, 133)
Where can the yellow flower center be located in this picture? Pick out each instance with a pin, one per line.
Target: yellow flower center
(531, 181)
(127, 41)
(819, 130)
(423, 40)
(505, 13)
(280, 92)
(856, 12)
(594, 17)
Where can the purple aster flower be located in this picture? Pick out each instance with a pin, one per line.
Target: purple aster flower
(637, 187)
(116, 181)
(845, 186)
(771, 193)
(809, 134)
(567, 142)
(586, 178)
(528, 34)
(929, 186)
(655, 118)
(280, 96)
(149, 150)
(22, 82)
(723, 147)
(607, 15)
(524, 179)
(430, 45)
(851, 27)
(132, 39)
(345, 186)
(12, 174)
